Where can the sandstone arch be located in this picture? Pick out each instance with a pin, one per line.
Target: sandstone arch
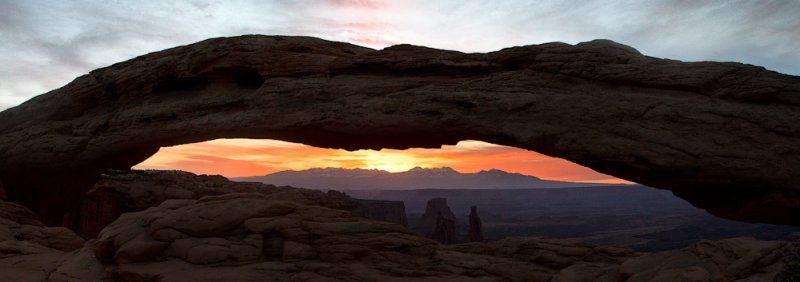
(724, 136)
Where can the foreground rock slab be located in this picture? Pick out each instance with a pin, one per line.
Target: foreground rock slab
(30, 251)
(724, 136)
(247, 237)
(123, 191)
(257, 237)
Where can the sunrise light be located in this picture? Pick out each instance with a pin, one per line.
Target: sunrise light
(391, 161)
(249, 157)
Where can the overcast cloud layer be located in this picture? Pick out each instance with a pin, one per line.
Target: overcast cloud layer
(45, 44)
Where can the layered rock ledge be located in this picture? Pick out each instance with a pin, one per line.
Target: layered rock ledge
(258, 237)
(124, 191)
(724, 136)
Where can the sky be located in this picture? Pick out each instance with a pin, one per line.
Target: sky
(249, 157)
(44, 44)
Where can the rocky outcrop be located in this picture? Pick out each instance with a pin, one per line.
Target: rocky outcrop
(121, 191)
(724, 260)
(791, 258)
(257, 236)
(475, 232)
(433, 209)
(383, 210)
(30, 251)
(252, 236)
(19, 228)
(723, 136)
(444, 230)
(438, 221)
(739, 259)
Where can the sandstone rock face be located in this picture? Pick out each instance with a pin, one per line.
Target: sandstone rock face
(444, 230)
(724, 260)
(791, 257)
(724, 136)
(256, 237)
(246, 236)
(438, 221)
(389, 211)
(29, 251)
(121, 191)
(19, 226)
(252, 236)
(475, 232)
(433, 208)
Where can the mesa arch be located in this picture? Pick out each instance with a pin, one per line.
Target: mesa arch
(723, 136)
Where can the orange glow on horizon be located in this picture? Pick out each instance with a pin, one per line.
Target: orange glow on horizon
(251, 157)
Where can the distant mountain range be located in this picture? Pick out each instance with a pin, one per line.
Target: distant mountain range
(416, 178)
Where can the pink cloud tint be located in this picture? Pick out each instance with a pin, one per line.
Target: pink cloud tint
(361, 4)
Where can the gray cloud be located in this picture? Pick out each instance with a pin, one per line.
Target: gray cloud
(757, 32)
(46, 43)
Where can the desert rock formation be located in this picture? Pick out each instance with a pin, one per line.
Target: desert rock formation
(30, 251)
(475, 232)
(286, 236)
(438, 222)
(723, 136)
(121, 191)
(383, 210)
(724, 260)
(433, 208)
(444, 230)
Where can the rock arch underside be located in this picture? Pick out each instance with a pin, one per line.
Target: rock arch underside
(723, 136)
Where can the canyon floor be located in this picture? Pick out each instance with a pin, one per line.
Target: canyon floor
(176, 226)
(643, 218)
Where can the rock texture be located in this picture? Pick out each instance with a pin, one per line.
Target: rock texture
(19, 227)
(121, 191)
(791, 258)
(258, 236)
(725, 260)
(444, 230)
(438, 222)
(724, 136)
(30, 251)
(433, 208)
(475, 232)
(389, 211)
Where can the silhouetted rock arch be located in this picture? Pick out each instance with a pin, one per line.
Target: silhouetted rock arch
(724, 136)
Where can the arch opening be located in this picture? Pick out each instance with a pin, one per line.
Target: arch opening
(644, 218)
(238, 157)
